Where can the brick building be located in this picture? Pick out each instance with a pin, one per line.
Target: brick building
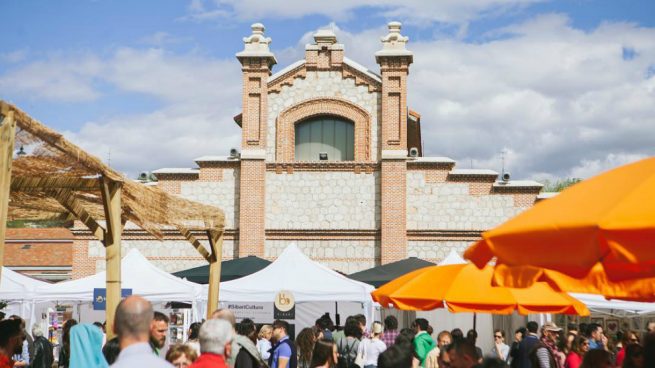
(43, 253)
(331, 158)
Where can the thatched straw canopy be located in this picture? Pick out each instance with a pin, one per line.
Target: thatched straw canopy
(56, 178)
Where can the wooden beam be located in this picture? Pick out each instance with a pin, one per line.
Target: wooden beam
(7, 136)
(67, 199)
(195, 242)
(216, 245)
(25, 184)
(111, 201)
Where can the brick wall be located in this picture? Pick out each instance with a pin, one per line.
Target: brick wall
(252, 208)
(29, 253)
(393, 210)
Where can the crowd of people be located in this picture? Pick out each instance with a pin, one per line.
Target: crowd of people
(219, 342)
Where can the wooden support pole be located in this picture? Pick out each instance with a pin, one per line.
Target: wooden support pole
(216, 244)
(67, 199)
(195, 242)
(111, 200)
(7, 136)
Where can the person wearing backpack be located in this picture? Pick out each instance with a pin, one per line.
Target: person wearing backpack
(348, 345)
(283, 353)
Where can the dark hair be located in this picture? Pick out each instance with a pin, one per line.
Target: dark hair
(532, 326)
(390, 323)
(471, 336)
(66, 335)
(571, 327)
(464, 347)
(248, 329)
(194, 330)
(457, 334)
(280, 323)
(582, 328)
(325, 322)
(159, 316)
(632, 351)
(626, 337)
(305, 345)
(352, 328)
(9, 328)
(591, 328)
(493, 363)
(422, 323)
(502, 332)
(596, 358)
(395, 356)
(178, 350)
(111, 350)
(361, 319)
(322, 353)
(577, 343)
(404, 340)
(522, 331)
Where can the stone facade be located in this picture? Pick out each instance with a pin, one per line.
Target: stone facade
(383, 206)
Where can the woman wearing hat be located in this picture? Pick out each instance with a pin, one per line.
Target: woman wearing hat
(371, 347)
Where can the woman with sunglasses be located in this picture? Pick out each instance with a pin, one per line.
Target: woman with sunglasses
(500, 349)
(579, 347)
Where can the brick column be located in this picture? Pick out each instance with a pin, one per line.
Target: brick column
(256, 60)
(394, 60)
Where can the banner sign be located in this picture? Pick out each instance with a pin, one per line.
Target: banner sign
(100, 297)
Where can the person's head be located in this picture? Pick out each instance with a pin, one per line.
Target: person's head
(572, 328)
(519, 334)
(12, 335)
(352, 328)
(390, 323)
(595, 331)
(99, 325)
(111, 350)
(225, 314)
(462, 354)
(248, 329)
(650, 327)
(580, 345)
(280, 329)
(159, 329)
(597, 358)
(493, 363)
(66, 333)
(181, 356)
(194, 330)
(376, 329)
(457, 334)
(630, 337)
(634, 356)
(532, 327)
(499, 336)
(362, 321)
(443, 359)
(444, 338)
(551, 331)
(266, 332)
(37, 331)
(472, 336)
(216, 337)
(133, 320)
(395, 356)
(404, 340)
(325, 351)
(420, 324)
(305, 344)
(582, 328)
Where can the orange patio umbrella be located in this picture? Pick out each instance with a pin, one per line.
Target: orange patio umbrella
(465, 288)
(608, 219)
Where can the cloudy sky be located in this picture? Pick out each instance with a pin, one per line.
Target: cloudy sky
(564, 88)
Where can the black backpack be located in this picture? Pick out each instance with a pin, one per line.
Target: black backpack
(347, 354)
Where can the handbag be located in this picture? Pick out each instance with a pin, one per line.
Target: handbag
(361, 355)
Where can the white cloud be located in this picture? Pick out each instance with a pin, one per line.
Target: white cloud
(416, 11)
(13, 56)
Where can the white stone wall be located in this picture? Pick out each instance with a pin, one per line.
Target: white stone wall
(322, 84)
(223, 194)
(435, 251)
(346, 256)
(448, 206)
(169, 255)
(322, 200)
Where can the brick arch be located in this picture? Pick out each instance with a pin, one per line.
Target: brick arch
(285, 145)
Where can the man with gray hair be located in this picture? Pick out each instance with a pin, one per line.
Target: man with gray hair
(215, 344)
(132, 325)
(43, 356)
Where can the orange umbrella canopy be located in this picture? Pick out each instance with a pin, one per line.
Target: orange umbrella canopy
(608, 219)
(465, 288)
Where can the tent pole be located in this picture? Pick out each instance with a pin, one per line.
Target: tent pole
(216, 244)
(111, 200)
(475, 320)
(8, 133)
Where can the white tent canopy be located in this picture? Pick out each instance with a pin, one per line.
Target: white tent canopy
(14, 286)
(138, 274)
(309, 281)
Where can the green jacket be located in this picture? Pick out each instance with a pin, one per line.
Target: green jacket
(423, 344)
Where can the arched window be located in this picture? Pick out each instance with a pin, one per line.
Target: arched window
(325, 135)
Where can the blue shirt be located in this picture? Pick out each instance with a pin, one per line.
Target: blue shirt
(593, 344)
(282, 351)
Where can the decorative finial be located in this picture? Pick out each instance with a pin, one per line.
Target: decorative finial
(325, 37)
(256, 45)
(394, 43)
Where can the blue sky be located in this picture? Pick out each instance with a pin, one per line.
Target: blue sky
(565, 87)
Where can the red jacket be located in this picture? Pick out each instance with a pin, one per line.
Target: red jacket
(209, 360)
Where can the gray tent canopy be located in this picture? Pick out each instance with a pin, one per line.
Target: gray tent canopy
(230, 270)
(380, 275)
